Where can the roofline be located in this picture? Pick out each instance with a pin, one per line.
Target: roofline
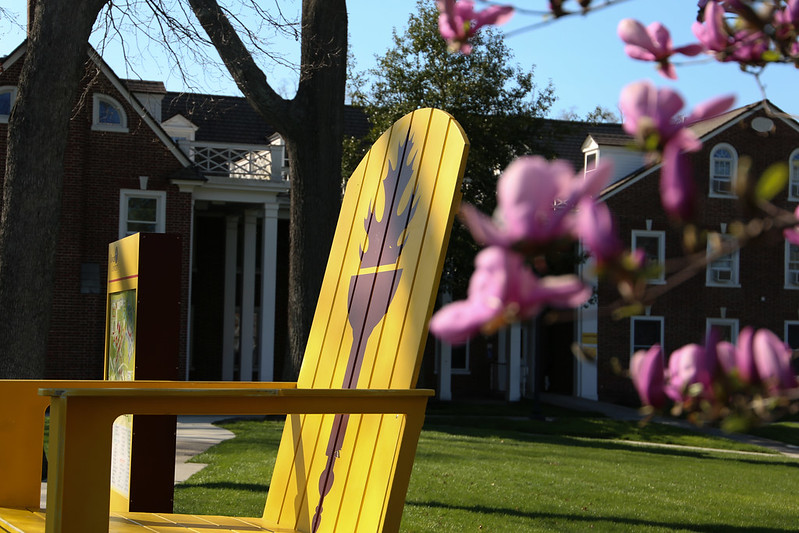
(639, 174)
(14, 56)
(139, 108)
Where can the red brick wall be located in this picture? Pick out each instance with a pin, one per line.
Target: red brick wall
(760, 301)
(97, 165)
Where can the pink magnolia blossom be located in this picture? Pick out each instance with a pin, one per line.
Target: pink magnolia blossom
(646, 370)
(458, 21)
(689, 366)
(712, 33)
(761, 357)
(653, 43)
(786, 20)
(535, 202)
(792, 234)
(772, 359)
(744, 356)
(502, 290)
(650, 115)
(597, 230)
(745, 46)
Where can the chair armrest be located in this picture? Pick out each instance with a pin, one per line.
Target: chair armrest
(81, 421)
(22, 422)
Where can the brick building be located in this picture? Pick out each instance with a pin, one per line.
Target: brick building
(206, 168)
(755, 286)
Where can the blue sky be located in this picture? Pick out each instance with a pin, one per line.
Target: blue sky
(582, 56)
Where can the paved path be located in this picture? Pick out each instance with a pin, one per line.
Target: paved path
(195, 434)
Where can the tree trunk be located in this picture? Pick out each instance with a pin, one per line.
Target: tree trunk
(312, 126)
(37, 139)
(315, 158)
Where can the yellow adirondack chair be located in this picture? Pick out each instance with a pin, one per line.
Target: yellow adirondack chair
(354, 416)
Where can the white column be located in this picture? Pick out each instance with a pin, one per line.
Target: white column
(266, 343)
(444, 371)
(502, 360)
(445, 362)
(514, 363)
(190, 304)
(586, 375)
(229, 301)
(247, 326)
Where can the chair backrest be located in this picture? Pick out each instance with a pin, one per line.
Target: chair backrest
(333, 473)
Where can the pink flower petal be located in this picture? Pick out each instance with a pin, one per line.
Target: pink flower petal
(646, 371)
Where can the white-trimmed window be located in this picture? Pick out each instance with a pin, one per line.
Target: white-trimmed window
(653, 243)
(458, 356)
(792, 334)
(108, 114)
(591, 160)
(791, 338)
(141, 211)
(724, 270)
(8, 95)
(791, 266)
(723, 169)
(793, 184)
(645, 331)
(727, 328)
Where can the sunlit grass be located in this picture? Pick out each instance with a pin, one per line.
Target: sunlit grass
(510, 473)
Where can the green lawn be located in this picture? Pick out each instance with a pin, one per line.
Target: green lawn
(476, 471)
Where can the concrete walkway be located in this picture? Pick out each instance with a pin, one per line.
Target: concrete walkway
(195, 434)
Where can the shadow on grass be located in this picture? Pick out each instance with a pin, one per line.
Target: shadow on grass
(223, 485)
(703, 528)
(600, 443)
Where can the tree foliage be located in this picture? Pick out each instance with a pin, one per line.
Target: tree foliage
(498, 104)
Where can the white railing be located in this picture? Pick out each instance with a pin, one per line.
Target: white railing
(240, 161)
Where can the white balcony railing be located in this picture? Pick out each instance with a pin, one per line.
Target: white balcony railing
(240, 161)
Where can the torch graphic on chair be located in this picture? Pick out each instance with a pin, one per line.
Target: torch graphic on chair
(372, 290)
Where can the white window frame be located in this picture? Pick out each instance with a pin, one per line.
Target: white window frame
(591, 161)
(791, 270)
(160, 220)
(441, 345)
(99, 98)
(732, 323)
(733, 171)
(714, 268)
(644, 318)
(12, 90)
(661, 236)
(793, 173)
(788, 324)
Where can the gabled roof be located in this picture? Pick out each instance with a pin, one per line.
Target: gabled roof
(705, 130)
(232, 119)
(566, 137)
(144, 86)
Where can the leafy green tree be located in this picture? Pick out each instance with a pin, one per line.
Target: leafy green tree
(497, 103)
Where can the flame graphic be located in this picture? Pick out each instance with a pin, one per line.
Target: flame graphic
(386, 237)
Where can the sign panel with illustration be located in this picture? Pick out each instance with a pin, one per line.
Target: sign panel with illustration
(120, 355)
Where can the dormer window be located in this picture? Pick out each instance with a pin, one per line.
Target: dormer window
(793, 185)
(723, 168)
(108, 114)
(8, 95)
